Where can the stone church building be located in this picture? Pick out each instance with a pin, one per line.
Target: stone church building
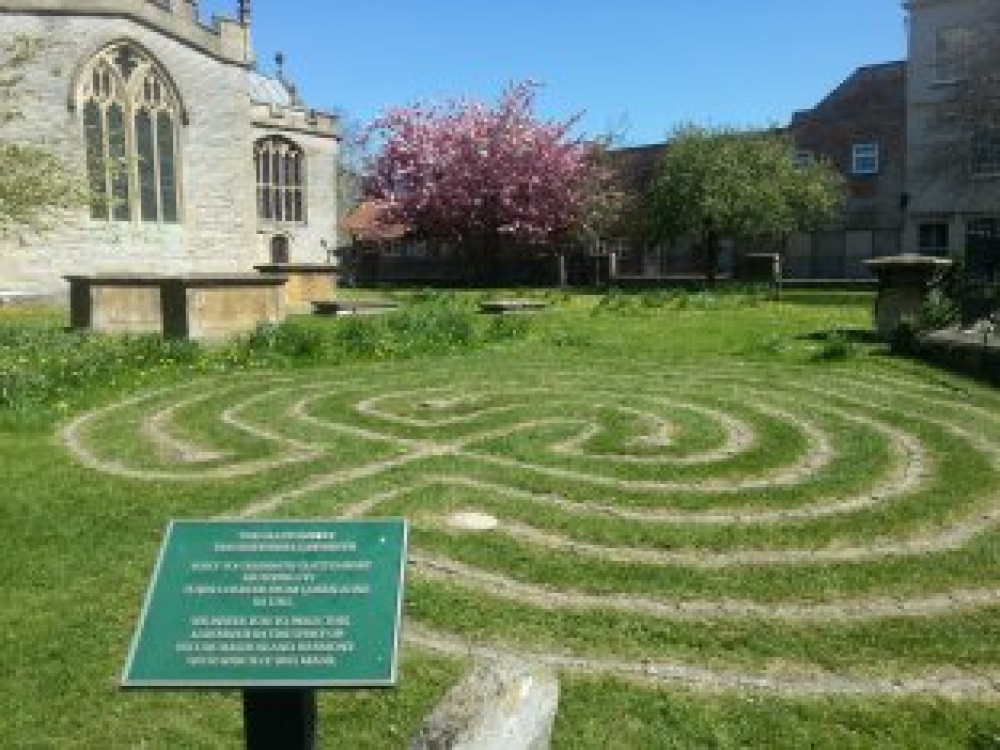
(196, 162)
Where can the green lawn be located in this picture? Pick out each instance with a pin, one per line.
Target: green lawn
(755, 527)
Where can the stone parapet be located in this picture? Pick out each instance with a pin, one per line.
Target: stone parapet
(295, 120)
(226, 39)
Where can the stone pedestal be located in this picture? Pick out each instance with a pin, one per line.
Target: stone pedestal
(203, 307)
(307, 283)
(903, 284)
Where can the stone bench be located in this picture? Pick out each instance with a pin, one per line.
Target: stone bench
(353, 307)
(502, 307)
(503, 704)
(202, 307)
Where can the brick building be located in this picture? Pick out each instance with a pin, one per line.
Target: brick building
(196, 162)
(860, 128)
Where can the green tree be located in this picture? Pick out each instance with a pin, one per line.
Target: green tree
(740, 184)
(34, 183)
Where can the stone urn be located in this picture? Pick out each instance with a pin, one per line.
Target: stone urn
(903, 284)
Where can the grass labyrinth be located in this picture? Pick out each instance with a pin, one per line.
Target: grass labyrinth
(797, 529)
(723, 537)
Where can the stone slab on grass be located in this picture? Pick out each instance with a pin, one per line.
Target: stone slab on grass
(505, 306)
(353, 307)
(502, 704)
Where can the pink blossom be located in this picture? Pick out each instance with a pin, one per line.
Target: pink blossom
(464, 169)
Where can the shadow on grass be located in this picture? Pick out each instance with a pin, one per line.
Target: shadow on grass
(851, 335)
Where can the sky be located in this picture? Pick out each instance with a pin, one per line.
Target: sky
(635, 68)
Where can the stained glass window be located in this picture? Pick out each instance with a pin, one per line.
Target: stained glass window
(118, 163)
(93, 124)
(147, 164)
(130, 114)
(167, 165)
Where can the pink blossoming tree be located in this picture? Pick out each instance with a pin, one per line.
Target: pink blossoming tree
(484, 176)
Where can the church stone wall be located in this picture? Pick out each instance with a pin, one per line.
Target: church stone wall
(315, 240)
(218, 227)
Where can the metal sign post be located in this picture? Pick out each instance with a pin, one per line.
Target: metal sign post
(276, 609)
(277, 719)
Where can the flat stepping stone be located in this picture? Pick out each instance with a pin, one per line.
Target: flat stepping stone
(472, 521)
(353, 307)
(500, 307)
(19, 298)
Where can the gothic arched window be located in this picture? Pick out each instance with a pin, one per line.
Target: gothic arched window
(281, 173)
(131, 119)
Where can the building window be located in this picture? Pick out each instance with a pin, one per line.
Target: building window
(279, 249)
(951, 54)
(131, 116)
(934, 238)
(982, 249)
(986, 153)
(280, 166)
(864, 158)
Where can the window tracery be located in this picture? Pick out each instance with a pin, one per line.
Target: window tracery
(280, 167)
(131, 118)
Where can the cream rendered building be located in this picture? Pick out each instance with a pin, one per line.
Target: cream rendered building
(218, 168)
(953, 171)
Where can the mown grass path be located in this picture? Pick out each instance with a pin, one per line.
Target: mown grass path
(722, 539)
(844, 485)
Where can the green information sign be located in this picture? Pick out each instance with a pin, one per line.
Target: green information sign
(272, 604)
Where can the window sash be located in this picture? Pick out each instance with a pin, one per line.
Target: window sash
(934, 238)
(865, 159)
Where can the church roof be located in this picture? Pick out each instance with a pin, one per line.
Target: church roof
(267, 90)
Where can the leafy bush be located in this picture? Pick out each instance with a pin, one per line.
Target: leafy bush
(292, 340)
(940, 310)
(439, 325)
(47, 365)
(728, 297)
(361, 337)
